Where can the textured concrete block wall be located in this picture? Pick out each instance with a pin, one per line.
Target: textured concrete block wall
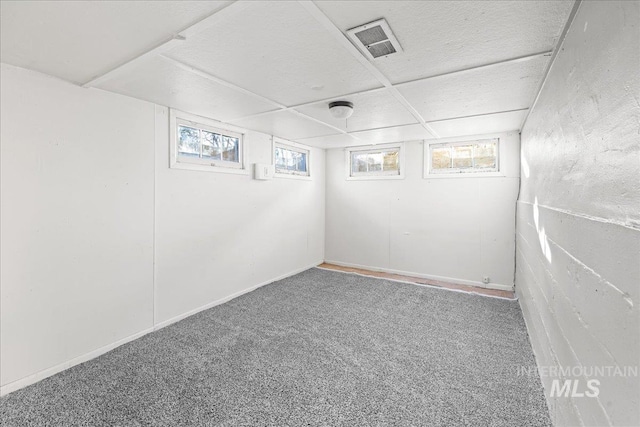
(578, 216)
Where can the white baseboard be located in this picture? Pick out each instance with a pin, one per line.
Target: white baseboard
(453, 280)
(32, 379)
(175, 319)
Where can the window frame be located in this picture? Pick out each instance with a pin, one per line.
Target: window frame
(428, 173)
(375, 148)
(178, 118)
(293, 146)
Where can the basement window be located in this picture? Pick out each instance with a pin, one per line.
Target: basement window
(479, 156)
(382, 162)
(290, 159)
(196, 143)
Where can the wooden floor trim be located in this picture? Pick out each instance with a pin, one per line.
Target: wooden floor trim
(421, 281)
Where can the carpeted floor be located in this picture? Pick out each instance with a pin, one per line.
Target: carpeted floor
(319, 348)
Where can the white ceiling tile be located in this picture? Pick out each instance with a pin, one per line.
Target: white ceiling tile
(392, 134)
(78, 40)
(375, 109)
(160, 81)
(279, 51)
(503, 87)
(444, 36)
(285, 124)
(491, 123)
(276, 49)
(331, 141)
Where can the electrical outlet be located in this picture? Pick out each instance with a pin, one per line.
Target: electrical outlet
(486, 279)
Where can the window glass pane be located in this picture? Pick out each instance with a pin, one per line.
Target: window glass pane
(375, 162)
(462, 156)
(280, 160)
(440, 157)
(302, 162)
(210, 145)
(471, 156)
(207, 146)
(291, 161)
(286, 161)
(358, 162)
(188, 141)
(230, 149)
(485, 155)
(391, 161)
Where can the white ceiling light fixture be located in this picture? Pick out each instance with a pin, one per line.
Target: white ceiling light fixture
(341, 109)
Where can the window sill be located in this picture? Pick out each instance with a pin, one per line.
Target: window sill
(465, 175)
(288, 176)
(373, 177)
(207, 168)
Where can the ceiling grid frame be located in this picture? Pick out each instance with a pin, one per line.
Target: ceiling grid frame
(314, 11)
(207, 76)
(306, 104)
(362, 92)
(309, 5)
(554, 54)
(178, 37)
(160, 50)
(470, 116)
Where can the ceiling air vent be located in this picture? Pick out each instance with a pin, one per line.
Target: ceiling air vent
(375, 39)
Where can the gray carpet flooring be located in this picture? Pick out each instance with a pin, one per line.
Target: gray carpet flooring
(319, 348)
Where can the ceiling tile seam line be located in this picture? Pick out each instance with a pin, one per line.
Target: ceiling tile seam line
(419, 119)
(222, 82)
(407, 105)
(554, 55)
(431, 130)
(319, 101)
(253, 116)
(281, 107)
(169, 43)
(309, 141)
(320, 122)
(355, 132)
(48, 76)
(337, 34)
(190, 30)
(340, 131)
(475, 68)
(471, 116)
(395, 85)
(383, 128)
(338, 97)
(165, 45)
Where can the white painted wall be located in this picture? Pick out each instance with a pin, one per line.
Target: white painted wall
(578, 227)
(217, 233)
(88, 197)
(459, 229)
(76, 221)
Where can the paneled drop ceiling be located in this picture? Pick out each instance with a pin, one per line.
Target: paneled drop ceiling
(466, 67)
